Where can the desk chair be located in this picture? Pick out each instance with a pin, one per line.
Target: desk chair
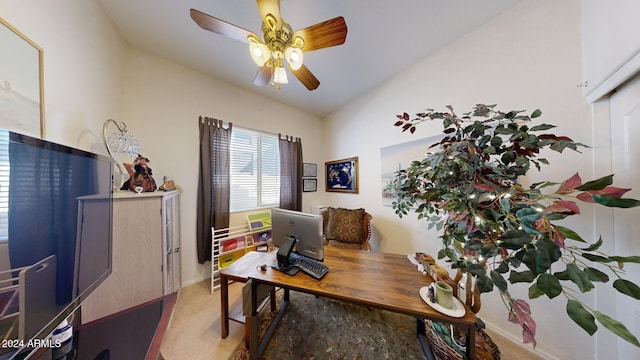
(347, 228)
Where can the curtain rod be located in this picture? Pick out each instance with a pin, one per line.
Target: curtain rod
(279, 135)
(265, 132)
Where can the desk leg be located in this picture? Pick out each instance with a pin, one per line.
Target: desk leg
(471, 342)
(426, 349)
(253, 323)
(224, 304)
(257, 347)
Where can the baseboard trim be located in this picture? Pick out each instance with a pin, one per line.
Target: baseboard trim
(516, 341)
(195, 281)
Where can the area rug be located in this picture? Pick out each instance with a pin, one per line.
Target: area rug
(320, 328)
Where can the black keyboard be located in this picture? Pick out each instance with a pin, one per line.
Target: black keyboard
(308, 265)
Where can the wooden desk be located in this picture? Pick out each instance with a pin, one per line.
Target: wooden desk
(385, 281)
(239, 271)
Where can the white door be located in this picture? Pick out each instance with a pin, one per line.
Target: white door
(625, 151)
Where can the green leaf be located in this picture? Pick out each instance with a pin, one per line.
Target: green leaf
(549, 285)
(568, 233)
(508, 157)
(476, 269)
(528, 217)
(596, 258)
(503, 268)
(524, 276)
(550, 249)
(542, 127)
(611, 201)
(539, 258)
(628, 288)
(562, 275)
(505, 205)
(597, 184)
(596, 275)
(595, 246)
(536, 113)
(484, 283)
(504, 130)
(514, 239)
(623, 259)
(579, 278)
(581, 316)
(616, 327)
(534, 291)
(498, 280)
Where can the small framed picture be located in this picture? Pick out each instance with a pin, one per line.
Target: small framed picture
(309, 185)
(309, 170)
(342, 175)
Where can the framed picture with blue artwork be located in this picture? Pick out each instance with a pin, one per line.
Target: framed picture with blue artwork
(342, 175)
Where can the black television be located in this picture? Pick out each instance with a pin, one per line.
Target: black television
(55, 236)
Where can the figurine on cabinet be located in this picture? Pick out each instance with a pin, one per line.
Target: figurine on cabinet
(140, 179)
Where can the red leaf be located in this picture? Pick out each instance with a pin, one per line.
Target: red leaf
(520, 314)
(569, 185)
(471, 226)
(614, 191)
(586, 197)
(450, 108)
(554, 137)
(405, 116)
(521, 306)
(398, 123)
(557, 237)
(563, 207)
(528, 336)
(484, 187)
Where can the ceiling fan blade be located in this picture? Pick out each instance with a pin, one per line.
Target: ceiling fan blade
(322, 35)
(263, 76)
(221, 27)
(306, 77)
(272, 7)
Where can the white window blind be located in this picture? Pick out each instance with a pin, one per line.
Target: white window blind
(255, 170)
(4, 185)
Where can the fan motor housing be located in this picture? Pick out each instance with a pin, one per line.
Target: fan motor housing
(278, 39)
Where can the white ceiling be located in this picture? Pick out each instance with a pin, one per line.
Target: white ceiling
(384, 38)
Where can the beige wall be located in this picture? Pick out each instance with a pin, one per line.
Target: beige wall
(525, 59)
(528, 58)
(162, 103)
(82, 66)
(610, 35)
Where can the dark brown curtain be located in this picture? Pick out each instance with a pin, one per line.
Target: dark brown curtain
(213, 183)
(290, 173)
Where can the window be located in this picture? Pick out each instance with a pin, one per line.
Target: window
(255, 170)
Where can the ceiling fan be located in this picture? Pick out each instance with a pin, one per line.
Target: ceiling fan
(279, 43)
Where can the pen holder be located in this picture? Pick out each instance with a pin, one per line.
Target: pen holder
(444, 294)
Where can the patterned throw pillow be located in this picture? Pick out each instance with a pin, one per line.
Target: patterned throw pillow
(345, 225)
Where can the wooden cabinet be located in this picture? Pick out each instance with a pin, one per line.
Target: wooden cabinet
(146, 253)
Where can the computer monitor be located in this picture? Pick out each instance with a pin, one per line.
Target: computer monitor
(305, 227)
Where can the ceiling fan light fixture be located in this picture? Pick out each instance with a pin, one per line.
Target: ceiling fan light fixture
(294, 57)
(280, 75)
(260, 53)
